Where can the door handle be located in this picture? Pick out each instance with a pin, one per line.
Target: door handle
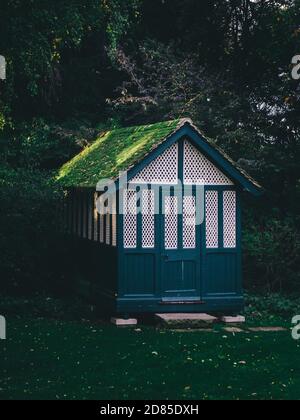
(165, 257)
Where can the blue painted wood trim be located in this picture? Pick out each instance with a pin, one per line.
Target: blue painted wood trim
(239, 243)
(223, 303)
(180, 196)
(120, 242)
(139, 220)
(221, 218)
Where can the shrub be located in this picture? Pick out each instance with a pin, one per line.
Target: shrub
(46, 307)
(272, 304)
(30, 243)
(272, 256)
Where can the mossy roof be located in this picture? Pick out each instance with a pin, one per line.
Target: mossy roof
(113, 152)
(120, 150)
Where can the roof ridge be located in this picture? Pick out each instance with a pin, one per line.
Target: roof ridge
(180, 124)
(149, 125)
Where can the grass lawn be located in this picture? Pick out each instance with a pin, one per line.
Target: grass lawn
(44, 359)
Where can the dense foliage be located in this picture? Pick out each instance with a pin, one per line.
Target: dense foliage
(76, 66)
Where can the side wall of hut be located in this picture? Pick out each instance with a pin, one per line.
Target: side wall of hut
(96, 255)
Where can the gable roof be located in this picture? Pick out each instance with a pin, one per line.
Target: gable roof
(129, 149)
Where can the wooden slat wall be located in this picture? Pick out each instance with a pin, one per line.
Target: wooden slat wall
(82, 219)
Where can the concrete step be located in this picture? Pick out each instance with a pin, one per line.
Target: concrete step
(193, 320)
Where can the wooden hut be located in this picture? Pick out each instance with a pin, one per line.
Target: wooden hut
(151, 251)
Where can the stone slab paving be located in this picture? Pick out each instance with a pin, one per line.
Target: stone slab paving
(201, 322)
(267, 329)
(233, 330)
(119, 322)
(194, 330)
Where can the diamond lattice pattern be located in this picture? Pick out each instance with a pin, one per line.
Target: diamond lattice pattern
(198, 170)
(171, 222)
(189, 222)
(130, 219)
(212, 219)
(163, 170)
(229, 215)
(148, 229)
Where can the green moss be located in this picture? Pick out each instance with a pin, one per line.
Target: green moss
(113, 152)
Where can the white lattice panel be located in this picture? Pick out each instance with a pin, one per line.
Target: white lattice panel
(189, 222)
(163, 170)
(148, 217)
(114, 230)
(229, 222)
(212, 219)
(114, 222)
(198, 170)
(130, 219)
(171, 222)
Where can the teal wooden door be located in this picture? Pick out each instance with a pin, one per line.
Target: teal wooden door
(180, 248)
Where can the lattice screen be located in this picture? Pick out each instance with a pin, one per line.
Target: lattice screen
(163, 170)
(212, 219)
(198, 170)
(130, 219)
(189, 222)
(171, 222)
(229, 215)
(148, 219)
(114, 222)
(114, 230)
